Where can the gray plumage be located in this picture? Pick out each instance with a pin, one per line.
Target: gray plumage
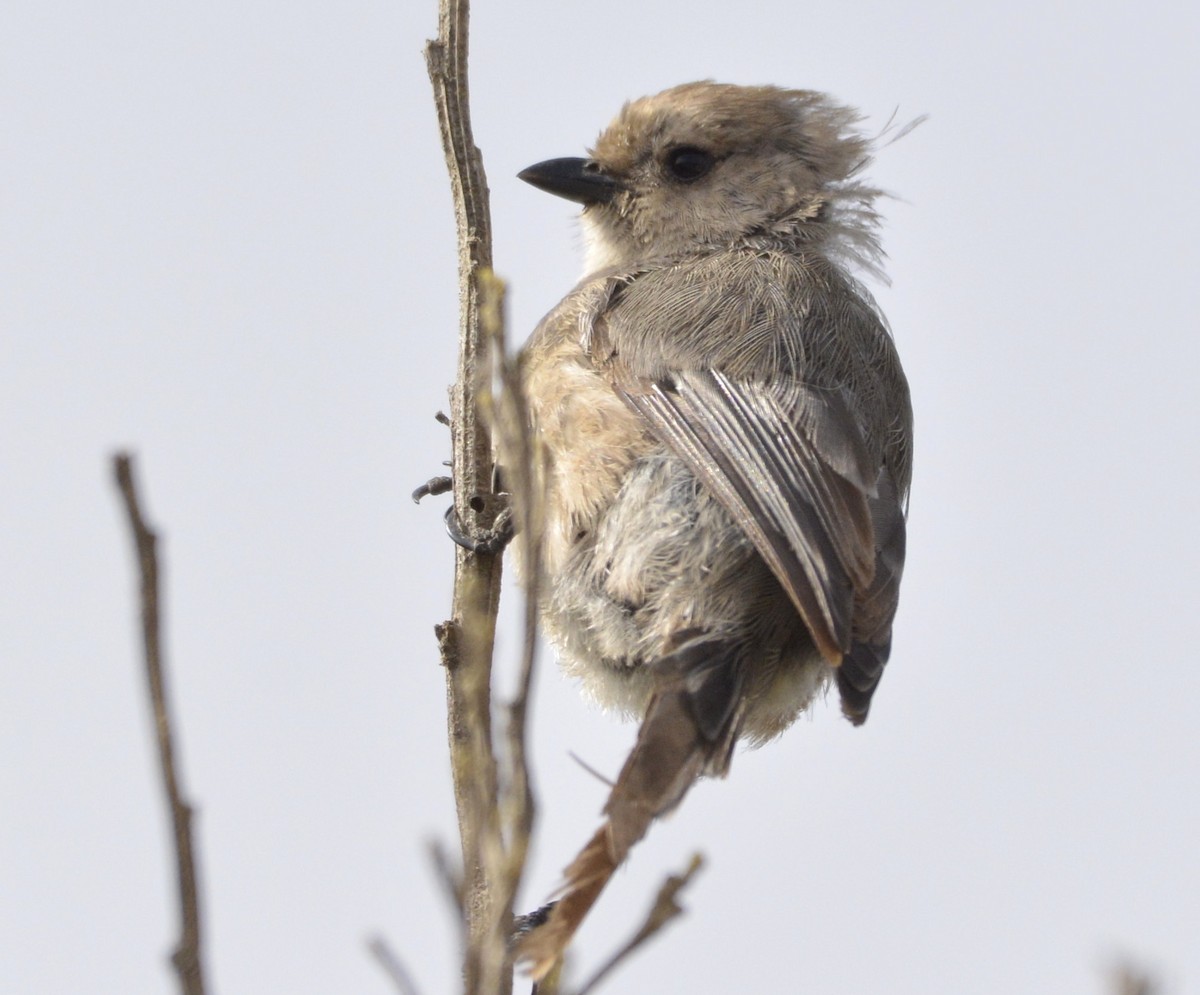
(725, 438)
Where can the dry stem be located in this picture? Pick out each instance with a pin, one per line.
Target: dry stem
(187, 956)
(487, 811)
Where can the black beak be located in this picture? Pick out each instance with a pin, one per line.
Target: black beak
(579, 180)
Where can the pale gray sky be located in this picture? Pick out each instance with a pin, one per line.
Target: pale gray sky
(227, 243)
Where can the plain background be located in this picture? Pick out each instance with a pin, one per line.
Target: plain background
(228, 245)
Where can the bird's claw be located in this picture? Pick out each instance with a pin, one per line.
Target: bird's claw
(434, 485)
(488, 544)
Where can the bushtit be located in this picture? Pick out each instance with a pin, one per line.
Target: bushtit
(725, 438)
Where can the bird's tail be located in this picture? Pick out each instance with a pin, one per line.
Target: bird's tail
(689, 729)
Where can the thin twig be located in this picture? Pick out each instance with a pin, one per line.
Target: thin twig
(447, 877)
(503, 403)
(392, 966)
(187, 956)
(467, 639)
(665, 909)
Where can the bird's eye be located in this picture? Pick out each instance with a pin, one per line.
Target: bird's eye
(687, 163)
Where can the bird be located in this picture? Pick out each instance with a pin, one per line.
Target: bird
(723, 438)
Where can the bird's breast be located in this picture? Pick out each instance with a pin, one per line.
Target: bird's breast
(587, 439)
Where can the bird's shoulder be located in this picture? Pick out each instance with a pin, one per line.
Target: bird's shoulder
(747, 311)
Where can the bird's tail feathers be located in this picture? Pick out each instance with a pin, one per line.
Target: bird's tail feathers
(689, 729)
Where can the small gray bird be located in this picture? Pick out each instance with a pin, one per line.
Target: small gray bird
(726, 442)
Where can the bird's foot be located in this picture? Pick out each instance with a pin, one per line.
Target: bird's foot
(488, 543)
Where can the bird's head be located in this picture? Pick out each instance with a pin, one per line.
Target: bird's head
(705, 166)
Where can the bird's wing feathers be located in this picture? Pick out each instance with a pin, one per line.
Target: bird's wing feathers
(861, 668)
(790, 466)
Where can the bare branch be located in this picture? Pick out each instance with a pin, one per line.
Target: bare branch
(187, 956)
(503, 402)
(467, 639)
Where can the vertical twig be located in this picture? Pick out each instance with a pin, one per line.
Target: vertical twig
(187, 955)
(467, 639)
(503, 402)
(505, 835)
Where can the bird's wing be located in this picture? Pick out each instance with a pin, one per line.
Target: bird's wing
(742, 363)
(860, 670)
(788, 462)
